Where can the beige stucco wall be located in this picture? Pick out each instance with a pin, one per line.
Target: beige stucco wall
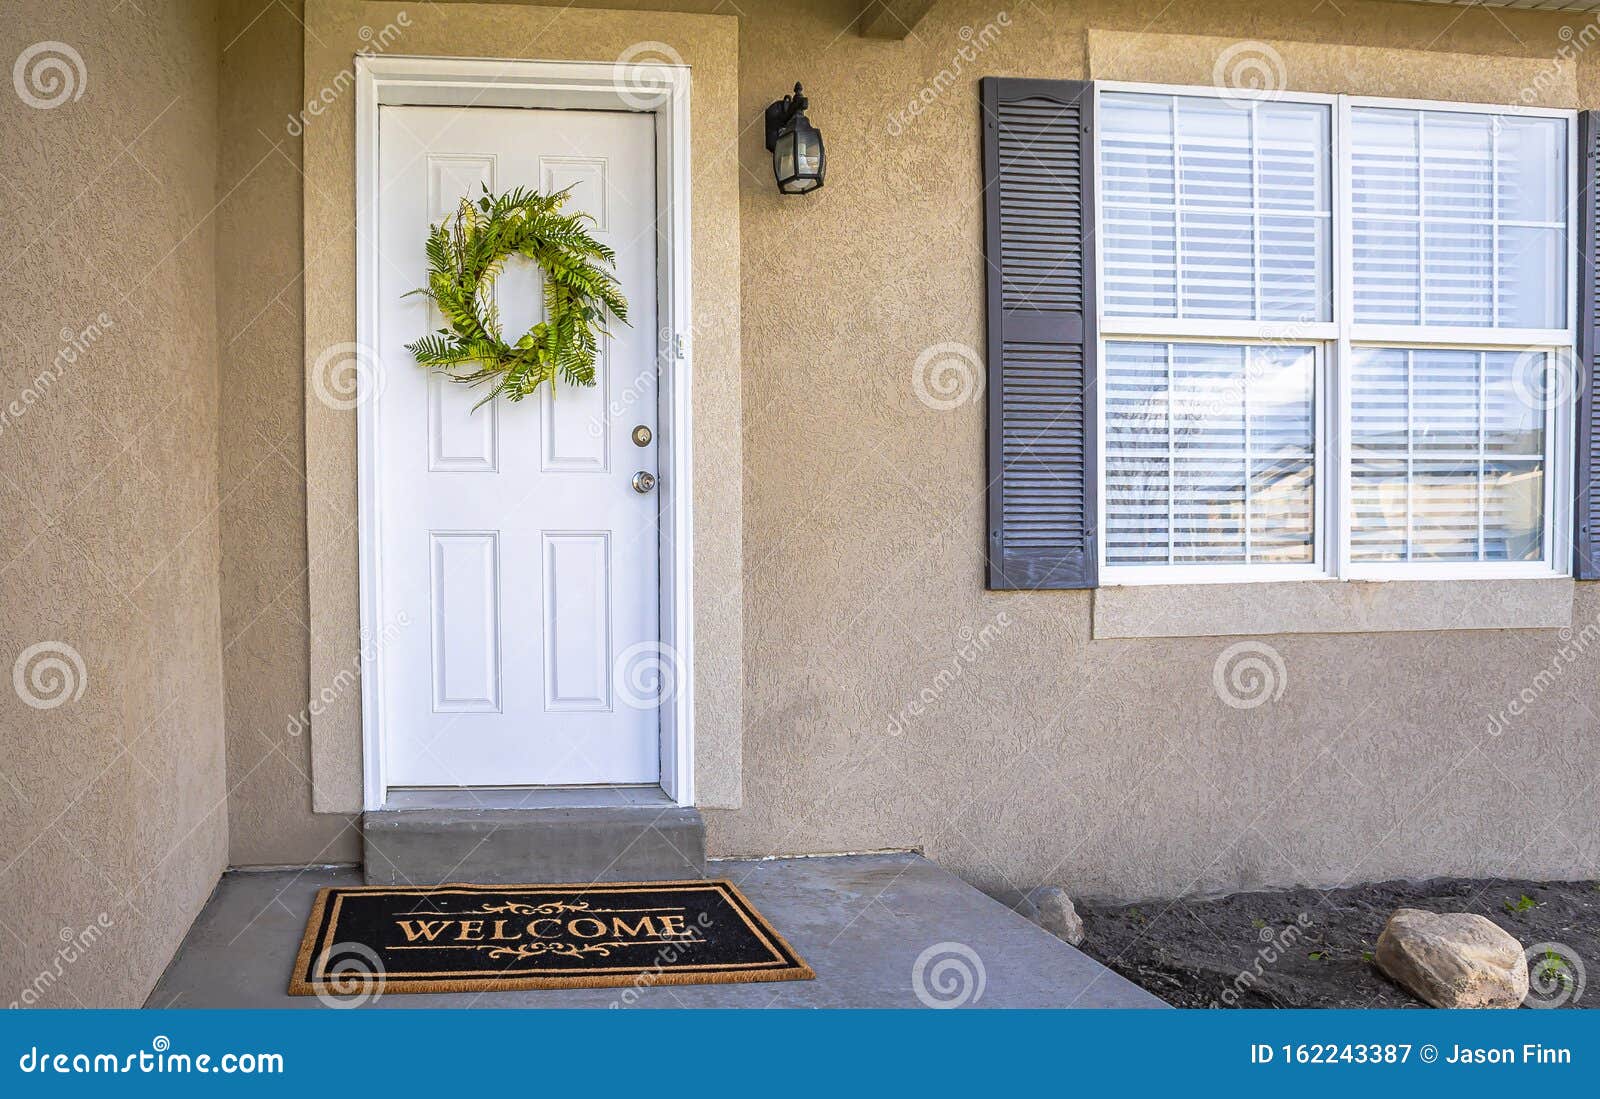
(260, 307)
(113, 818)
(889, 701)
(1166, 54)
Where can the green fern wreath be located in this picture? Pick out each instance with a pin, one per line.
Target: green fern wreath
(467, 253)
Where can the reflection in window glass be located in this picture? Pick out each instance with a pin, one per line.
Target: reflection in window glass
(1210, 450)
(1447, 455)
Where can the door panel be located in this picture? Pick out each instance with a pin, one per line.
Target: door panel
(465, 601)
(511, 536)
(577, 615)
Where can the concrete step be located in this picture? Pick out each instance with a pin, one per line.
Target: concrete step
(553, 842)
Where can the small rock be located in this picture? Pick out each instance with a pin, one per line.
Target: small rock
(1453, 959)
(1051, 908)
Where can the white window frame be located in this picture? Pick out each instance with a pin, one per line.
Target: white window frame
(1335, 340)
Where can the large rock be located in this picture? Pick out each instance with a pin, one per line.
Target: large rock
(1051, 908)
(1453, 959)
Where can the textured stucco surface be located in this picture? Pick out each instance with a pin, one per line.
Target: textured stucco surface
(336, 30)
(889, 701)
(113, 818)
(260, 311)
(1329, 606)
(1157, 55)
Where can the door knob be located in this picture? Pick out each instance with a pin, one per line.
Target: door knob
(644, 481)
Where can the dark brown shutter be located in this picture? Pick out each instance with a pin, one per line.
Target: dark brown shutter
(1038, 251)
(1586, 470)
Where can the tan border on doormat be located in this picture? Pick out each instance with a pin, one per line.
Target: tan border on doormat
(617, 977)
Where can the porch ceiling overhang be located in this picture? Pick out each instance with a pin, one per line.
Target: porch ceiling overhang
(891, 18)
(898, 18)
(1523, 5)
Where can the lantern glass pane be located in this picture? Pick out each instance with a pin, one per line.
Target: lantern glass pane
(783, 159)
(808, 144)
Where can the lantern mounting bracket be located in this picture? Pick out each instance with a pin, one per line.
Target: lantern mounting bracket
(781, 112)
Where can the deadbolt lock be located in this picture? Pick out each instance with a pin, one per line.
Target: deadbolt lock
(641, 436)
(644, 481)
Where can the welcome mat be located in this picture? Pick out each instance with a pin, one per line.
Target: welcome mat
(486, 938)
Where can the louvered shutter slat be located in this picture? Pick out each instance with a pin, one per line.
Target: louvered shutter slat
(1038, 244)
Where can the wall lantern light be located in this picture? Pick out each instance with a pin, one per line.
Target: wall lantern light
(798, 160)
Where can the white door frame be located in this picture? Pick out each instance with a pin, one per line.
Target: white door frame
(662, 90)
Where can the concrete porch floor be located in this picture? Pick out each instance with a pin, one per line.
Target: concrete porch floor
(861, 921)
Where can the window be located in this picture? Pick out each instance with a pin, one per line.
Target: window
(1332, 332)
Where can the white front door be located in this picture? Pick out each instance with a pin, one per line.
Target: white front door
(512, 538)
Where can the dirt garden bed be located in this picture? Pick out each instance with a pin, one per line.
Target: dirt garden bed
(1313, 948)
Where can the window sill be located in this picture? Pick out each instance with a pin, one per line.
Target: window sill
(1331, 606)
